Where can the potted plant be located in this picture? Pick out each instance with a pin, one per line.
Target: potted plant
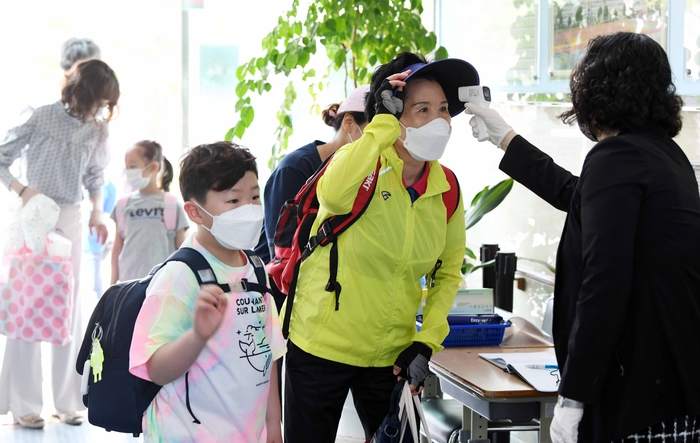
(356, 36)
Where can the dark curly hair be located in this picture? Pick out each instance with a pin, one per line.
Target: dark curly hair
(153, 152)
(92, 82)
(623, 83)
(213, 167)
(398, 64)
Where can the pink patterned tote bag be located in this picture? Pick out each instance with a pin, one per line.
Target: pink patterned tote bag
(35, 296)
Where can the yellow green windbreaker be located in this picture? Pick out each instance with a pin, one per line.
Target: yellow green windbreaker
(381, 259)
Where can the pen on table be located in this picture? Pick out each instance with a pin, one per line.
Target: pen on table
(552, 367)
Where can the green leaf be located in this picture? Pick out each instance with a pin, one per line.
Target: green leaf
(247, 114)
(488, 201)
(330, 24)
(441, 53)
(469, 253)
(478, 196)
(551, 268)
(303, 57)
(339, 58)
(291, 61)
(242, 102)
(229, 135)
(239, 130)
(469, 268)
(241, 89)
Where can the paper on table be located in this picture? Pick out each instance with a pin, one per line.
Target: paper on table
(522, 333)
(543, 380)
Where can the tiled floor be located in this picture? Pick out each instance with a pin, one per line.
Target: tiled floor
(56, 432)
(350, 430)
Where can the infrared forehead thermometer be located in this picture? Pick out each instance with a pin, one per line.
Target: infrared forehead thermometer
(481, 96)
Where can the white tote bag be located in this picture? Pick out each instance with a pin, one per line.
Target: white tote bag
(400, 425)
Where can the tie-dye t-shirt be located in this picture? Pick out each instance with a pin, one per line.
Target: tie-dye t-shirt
(229, 382)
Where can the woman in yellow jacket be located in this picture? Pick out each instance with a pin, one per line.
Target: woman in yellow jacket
(365, 339)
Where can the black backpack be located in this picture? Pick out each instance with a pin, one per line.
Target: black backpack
(118, 401)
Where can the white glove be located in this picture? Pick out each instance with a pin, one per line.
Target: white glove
(564, 428)
(495, 125)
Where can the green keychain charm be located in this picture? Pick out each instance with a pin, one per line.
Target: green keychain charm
(96, 359)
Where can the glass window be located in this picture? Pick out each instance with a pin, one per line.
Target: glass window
(691, 40)
(574, 22)
(501, 42)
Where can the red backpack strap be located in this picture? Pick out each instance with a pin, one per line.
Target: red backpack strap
(451, 197)
(328, 232)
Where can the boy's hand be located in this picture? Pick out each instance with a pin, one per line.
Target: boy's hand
(209, 309)
(274, 433)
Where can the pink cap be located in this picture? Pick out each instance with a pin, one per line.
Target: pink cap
(355, 101)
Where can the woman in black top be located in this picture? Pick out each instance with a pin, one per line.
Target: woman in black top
(627, 294)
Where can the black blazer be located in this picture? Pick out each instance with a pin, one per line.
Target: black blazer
(627, 293)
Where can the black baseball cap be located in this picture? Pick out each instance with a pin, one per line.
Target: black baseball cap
(451, 73)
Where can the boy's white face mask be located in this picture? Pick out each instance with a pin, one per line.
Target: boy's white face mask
(238, 228)
(429, 141)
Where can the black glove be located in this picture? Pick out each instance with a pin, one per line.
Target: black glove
(386, 101)
(413, 362)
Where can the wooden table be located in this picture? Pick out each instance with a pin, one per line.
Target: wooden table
(490, 396)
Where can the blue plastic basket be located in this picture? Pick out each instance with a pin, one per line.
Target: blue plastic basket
(474, 335)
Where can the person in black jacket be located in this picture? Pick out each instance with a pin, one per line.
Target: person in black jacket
(627, 293)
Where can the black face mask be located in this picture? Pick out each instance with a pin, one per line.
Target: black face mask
(585, 130)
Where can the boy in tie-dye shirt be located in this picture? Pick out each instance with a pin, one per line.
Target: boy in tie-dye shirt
(227, 341)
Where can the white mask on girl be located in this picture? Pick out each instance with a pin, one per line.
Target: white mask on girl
(359, 129)
(429, 141)
(136, 179)
(238, 228)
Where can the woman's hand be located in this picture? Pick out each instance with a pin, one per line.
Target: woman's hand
(209, 309)
(97, 223)
(412, 363)
(28, 193)
(386, 101)
(500, 133)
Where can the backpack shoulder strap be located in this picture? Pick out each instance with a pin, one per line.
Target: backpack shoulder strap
(329, 230)
(451, 197)
(119, 215)
(170, 211)
(260, 275)
(197, 263)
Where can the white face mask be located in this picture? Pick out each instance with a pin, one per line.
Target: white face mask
(359, 129)
(135, 178)
(429, 141)
(238, 228)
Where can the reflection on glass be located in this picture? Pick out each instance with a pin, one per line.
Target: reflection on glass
(575, 22)
(499, 38)
(691, 40)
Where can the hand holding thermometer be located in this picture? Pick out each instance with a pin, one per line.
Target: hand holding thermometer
(481, 96)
